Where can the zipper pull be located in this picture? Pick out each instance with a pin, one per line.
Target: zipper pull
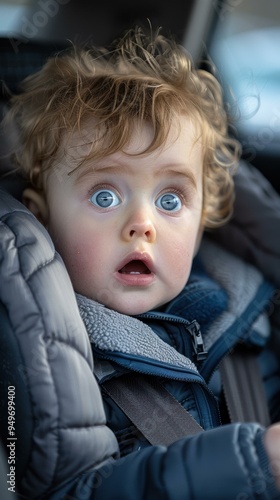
(194, 329)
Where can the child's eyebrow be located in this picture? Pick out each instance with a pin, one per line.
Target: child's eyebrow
(91, 170)
(181, 171)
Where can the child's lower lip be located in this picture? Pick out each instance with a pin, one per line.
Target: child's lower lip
(135, 279)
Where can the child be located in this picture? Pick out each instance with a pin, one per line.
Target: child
(129, 160)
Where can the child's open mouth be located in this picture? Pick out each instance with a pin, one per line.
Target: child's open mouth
(137, 270)
(135, 267)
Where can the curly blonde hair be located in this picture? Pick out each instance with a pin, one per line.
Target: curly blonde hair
(140, 77)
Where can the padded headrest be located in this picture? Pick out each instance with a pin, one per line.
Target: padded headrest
(45, 355)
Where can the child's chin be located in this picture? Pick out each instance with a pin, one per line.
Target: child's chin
(129, 307)
(130, 310)
(133, 308)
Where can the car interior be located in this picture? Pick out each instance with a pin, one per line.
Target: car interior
(237, 39)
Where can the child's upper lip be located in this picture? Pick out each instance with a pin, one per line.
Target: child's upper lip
(142, 256)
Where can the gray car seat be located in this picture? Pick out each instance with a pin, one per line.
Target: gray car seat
(46, 356)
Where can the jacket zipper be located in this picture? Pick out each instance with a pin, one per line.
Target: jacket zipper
(192, 328)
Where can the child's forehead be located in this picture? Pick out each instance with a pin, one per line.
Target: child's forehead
(79, 142)
(84, 147)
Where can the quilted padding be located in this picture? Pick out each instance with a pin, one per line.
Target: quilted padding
(64, 416)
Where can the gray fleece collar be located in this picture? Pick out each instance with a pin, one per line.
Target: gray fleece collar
(111, 331)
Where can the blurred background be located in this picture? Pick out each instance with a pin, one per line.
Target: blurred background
(241, 38)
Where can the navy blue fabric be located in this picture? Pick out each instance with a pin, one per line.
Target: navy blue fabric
(196, 393)
(202, 299)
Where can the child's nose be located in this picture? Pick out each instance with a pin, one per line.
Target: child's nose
(139, 225)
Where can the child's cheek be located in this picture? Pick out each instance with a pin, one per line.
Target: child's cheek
(85, 261)
(180, 260)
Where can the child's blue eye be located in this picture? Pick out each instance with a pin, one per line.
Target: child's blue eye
(169, 202)
(104, 198)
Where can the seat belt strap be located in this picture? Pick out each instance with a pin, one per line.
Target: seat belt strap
(151, 408)
(163, 420)
(243, 387)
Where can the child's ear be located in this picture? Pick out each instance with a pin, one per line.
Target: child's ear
(35, 201)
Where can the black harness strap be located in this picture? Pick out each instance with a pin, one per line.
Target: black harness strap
(163, 420)
(243, 387)
(151, 408)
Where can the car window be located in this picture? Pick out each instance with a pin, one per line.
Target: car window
(245, 50)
